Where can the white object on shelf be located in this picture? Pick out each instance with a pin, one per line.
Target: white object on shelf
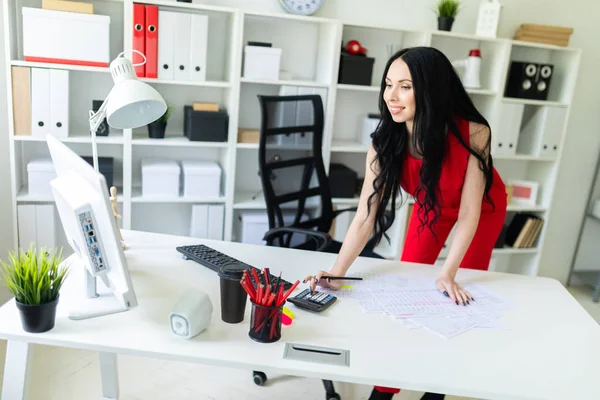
(255, 224)
(201, 178)
(160, 178)
(40, 102)
(488, 18)
(505, 140)
(59, 103)
(40, 171)
(198, 47)
(199, 222)
(216, 217)
(66, 37)
(541, 134)
(369, 126)
(596, 209)
(167, 21)
(262, 62)
(36, 226)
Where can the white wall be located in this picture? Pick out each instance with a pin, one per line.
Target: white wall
(6, 222)
(583, 142)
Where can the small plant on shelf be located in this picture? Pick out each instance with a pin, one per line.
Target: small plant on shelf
(35, 278)
(156, 129)
(447, 10)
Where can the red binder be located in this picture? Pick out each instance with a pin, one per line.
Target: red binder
(139, 38)
(151, 41)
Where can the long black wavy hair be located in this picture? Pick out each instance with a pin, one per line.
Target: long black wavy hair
(439, 97)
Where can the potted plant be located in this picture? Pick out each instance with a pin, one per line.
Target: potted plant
(447, 11)
(156, 129)
(35, 278)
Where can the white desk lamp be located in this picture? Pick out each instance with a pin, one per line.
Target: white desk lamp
(130, 104)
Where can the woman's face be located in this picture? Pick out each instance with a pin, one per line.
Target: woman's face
(398, 93)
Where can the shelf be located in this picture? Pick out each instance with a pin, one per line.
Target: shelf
(543, 46)
(285, 83)
(511, 251)
(180, 141)
(111, 139)
(254, 146)
(523, 157)
(483, 92)
(348, 202)
(189, 6)
(138, 198)
(25, 197)
(359, 88)
(217, 84)
(84, 68)
(348, 146)
(466, 36)
(244, 201)
(518, 208)
(531, 102)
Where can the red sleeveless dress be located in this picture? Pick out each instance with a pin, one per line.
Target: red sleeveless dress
(423, 247)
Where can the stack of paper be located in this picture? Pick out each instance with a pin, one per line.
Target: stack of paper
(418, 303)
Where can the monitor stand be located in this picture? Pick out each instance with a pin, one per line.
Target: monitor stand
(97, 302)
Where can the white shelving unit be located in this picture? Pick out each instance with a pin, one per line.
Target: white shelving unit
(310, 57)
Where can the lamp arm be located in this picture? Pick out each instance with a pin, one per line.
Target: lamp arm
(96, 119)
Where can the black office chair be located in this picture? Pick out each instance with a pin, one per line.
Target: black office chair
(296, 180)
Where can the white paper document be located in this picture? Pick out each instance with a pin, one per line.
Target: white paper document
(418, 303)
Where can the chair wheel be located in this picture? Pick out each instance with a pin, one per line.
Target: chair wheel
(333, 396)
(259, 378)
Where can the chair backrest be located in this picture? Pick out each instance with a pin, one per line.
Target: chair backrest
(291, 161)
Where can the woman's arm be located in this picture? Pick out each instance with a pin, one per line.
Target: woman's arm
(468, 215)
(359, 231)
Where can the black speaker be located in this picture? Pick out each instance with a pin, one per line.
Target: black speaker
(103, 129)
(529, 80)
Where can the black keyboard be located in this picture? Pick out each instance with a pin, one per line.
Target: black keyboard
(213, 259)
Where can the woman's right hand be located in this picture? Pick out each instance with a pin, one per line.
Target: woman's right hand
(321, 279)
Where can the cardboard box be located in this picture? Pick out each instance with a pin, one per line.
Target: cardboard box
(69, 6)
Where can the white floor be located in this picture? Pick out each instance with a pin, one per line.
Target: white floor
(60, 374)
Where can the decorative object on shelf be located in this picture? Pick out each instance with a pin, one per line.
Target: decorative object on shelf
(524, 193)
(301, 7)
(35, 278)
(548, 34)
(355, 67)
(156, 129)
(488, 18)
(447, 10)
(261, 61)
(529, 80)
(115, 210)
(205, 126)
(103, 128)
(472, 66)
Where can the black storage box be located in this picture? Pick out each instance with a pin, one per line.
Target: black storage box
(356, 70)
(205, 126)
(342, 181)
(105, 166)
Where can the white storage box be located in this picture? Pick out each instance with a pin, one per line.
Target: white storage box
(262, 62)
(201, 178)
(160, 178)
(40, 171)
(66, 37)
(369, 126)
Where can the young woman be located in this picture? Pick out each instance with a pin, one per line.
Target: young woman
(433, 143)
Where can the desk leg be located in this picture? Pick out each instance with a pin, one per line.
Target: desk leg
(16, 370)
(110, 376)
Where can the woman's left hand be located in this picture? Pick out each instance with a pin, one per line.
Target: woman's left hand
(448, 286)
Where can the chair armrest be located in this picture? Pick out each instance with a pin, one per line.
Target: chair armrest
(322, 239)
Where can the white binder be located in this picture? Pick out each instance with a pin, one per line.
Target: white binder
(45, 232)
(166, 41)
(40, 102)
(26, 223)
(199, 223)
(59, 103)
(198, 47)
(506, 138)
(181, 47)
(542, 132)
(216, 215)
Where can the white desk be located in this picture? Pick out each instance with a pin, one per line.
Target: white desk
(551, 350)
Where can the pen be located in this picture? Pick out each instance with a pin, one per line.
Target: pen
(339, 278)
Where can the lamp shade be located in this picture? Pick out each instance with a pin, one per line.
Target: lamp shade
(132, 104)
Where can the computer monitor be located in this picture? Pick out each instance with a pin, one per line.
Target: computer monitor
(81, 196)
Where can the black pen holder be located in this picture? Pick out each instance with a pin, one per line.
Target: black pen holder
(265, 323)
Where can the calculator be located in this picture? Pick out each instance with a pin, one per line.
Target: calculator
(317, 301)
